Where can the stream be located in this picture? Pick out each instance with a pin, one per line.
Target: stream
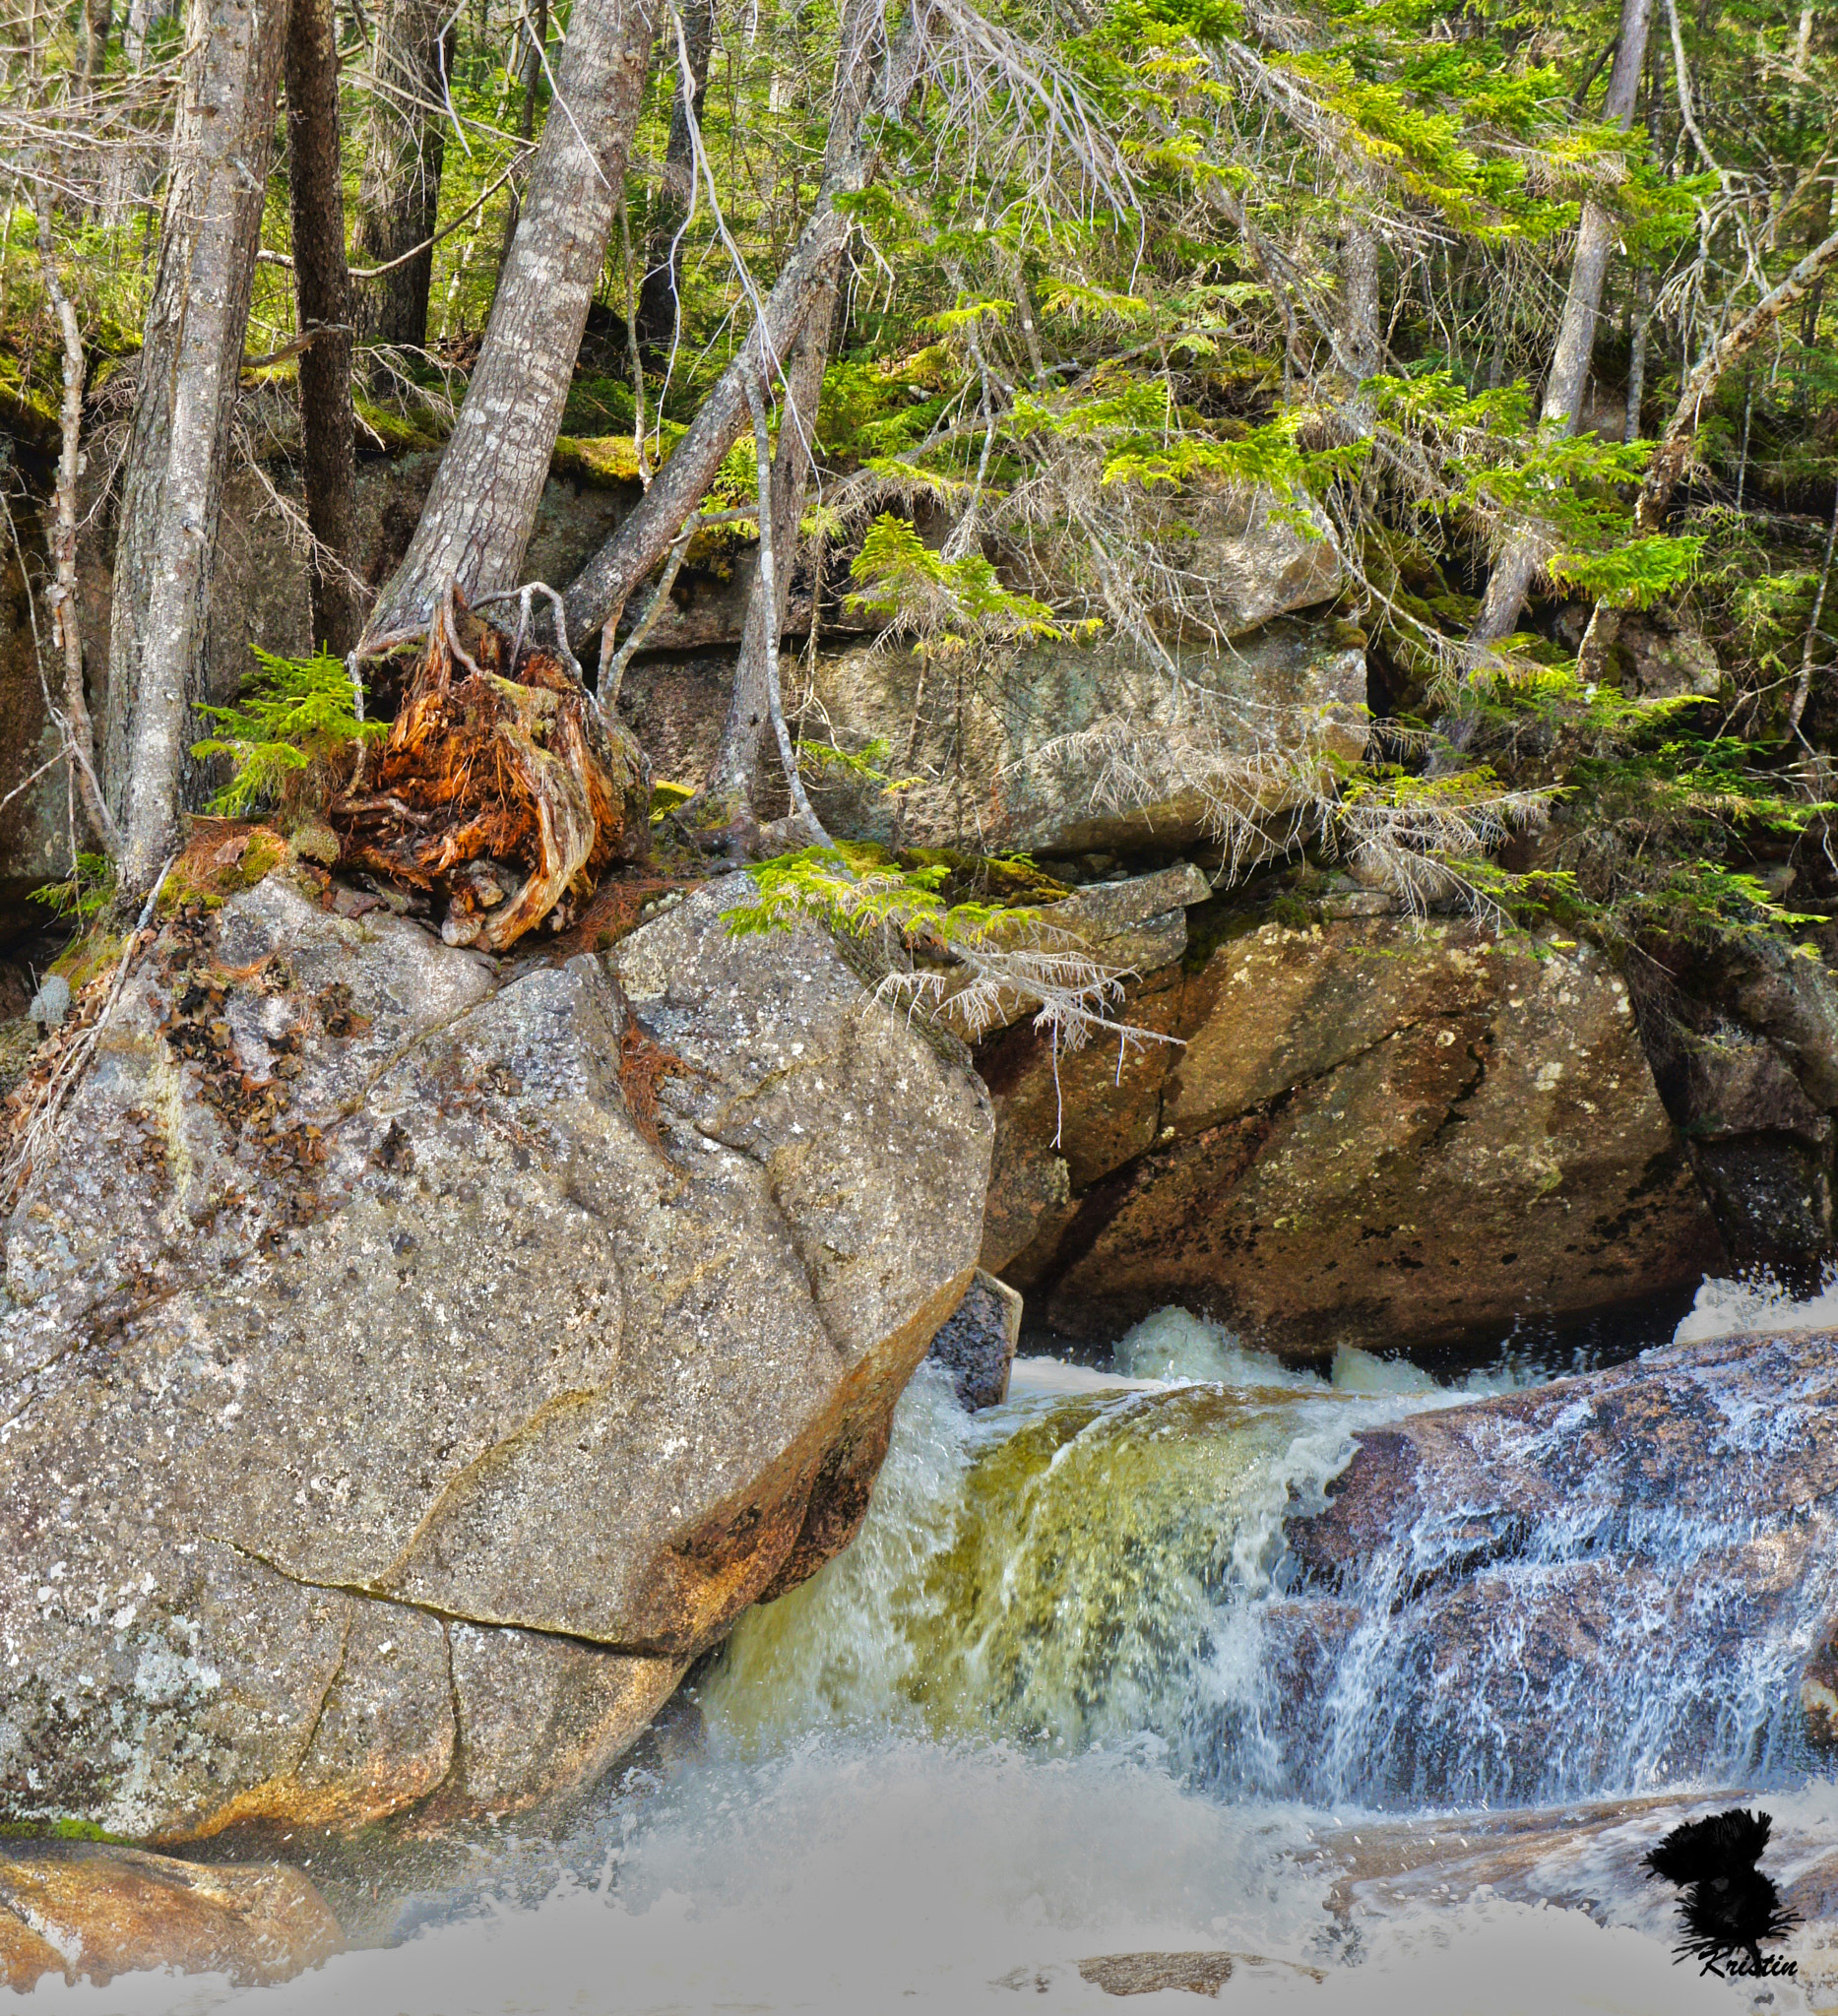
(1068, 1696)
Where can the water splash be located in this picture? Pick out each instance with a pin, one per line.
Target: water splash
(906, 1878)
(1758, 1304)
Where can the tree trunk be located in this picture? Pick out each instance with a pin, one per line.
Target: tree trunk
(1815, 300)
(664, 262)
(1359, 283)
(191, 356)
(97, 19)
(728, 794)
(66, 609)
(1637, 358)
(125, 173)
(1674, 452)
(599, 592)
(322, 287)
(527, 123)
(477, 518)
(399, 184)
(1576, 335)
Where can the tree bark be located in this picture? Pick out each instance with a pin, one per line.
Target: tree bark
(479, 515)
(664, 261)
(1359, 284)
(399, 184)
(191, 356)
(728, 794)
(1576, 335)
(328, 429)
(599, 592)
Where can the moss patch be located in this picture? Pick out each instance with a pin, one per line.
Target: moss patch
(604, 460)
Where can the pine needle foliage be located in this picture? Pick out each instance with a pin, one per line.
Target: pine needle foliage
(292, 719)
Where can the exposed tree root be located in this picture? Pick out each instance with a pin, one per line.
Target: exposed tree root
(501, 787)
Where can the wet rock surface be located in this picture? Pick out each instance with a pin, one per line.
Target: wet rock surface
(406, 1369)
(81, 1911)
(976, 1346)
(1604, 1581)
(1374, 1131)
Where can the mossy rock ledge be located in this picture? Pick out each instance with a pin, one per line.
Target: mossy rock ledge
(409, 1368)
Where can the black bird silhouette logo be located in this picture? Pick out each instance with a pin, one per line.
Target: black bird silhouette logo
(1728, 1907)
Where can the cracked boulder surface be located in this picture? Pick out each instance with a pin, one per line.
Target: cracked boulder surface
(407, 1368)
(1378, 1132)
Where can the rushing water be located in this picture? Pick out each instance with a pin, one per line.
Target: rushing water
(1064, 1697)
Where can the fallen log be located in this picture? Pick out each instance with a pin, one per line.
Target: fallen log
(501, 788)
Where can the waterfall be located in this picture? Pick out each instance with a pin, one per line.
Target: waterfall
(1111, 1566)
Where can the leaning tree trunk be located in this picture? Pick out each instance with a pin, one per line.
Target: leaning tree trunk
(1512, 573)
(399, 184)
(725, 800)
(191, 356)
(479, 515)
(663, 258)
(328, 429)
(599, 592)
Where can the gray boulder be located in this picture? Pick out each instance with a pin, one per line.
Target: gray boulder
(1089, 748)
(406, 1372)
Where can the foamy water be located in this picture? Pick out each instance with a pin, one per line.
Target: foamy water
(912, 1877)
(972, 1752)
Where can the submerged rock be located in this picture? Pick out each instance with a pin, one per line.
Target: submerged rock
(86, 1911)
(1374, 1131)
(407, 1372)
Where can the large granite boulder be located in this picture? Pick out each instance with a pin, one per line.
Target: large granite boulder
(1082, 748)
(407, 1369)
(1372, 1130)
(1067, 748)
(1610, 1581)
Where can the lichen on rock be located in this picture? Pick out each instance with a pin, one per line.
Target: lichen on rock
(370, 1372)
